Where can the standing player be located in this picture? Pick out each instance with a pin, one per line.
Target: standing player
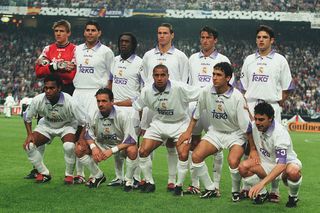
(94, 61)
(177, 62)
(170, 100)
(57, 58)
(229, 124)
(126, 85)
(266, 77)
(8, 104)
(201, 65)
(278, 158)
(110, 131)
(60, 117)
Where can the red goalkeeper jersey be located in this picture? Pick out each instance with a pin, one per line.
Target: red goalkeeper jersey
(56, 53)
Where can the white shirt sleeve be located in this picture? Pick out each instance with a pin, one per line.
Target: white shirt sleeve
(286, 77)
(244, 75)
(139, 103)
(243, 116)
(184, 69)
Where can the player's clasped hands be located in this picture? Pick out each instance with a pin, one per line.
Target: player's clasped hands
(106, 154)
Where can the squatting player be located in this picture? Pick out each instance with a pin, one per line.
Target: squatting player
(170, 100)
(177, 62)
(201, 65)
(60, 117)
(266, 76)
(94, 61)
(109, 131)
(229, 125)
(278, 159)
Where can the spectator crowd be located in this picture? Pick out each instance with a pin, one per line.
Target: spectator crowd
(244, 5)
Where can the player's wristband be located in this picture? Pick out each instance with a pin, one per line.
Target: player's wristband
(92, 146)
(115, 149)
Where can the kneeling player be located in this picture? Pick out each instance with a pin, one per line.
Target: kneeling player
(109, 131)
(60, 118)
(278, 158)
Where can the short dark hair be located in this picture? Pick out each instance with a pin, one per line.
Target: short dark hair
(264, 109)
(94, 23)
(105, 91)
(210, 31)
(161, 66)
(54, 77)
(63, 23)
(167, 25)
(224, 67)
(267, 29)
(133, 40)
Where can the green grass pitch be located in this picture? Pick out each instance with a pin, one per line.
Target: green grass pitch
(19, 195)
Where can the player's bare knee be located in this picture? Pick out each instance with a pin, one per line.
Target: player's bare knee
(293, 174)
(143, 152)
(183, 156)
(233, 162)
(196, 158)
(132, 152)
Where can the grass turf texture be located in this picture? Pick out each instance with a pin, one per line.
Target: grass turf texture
(20, 195)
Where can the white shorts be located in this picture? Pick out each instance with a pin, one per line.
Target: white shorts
(225, 140)
(268, 167)
(134, 115)
(146, 118)
(202, 123)
(87, 100)
(50, 132)
(160, 131)
(276, 107)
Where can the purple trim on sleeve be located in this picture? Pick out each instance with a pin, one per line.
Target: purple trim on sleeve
(249, 129)
(292, 86)
(240, 86)
(281, 156)
(111, 77)
(129, 140)
(87, 136)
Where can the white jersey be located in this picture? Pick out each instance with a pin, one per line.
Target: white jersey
(201, 68)
(64, 112)
(265, 77)
(126, 77)
(174, 59)
(93, 66)
(225, 112)
(112, 130)
(171, 105)
(275, 145)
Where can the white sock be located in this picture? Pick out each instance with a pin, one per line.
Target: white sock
(182, 172)
(194, 179)
(79, 167)
(236, 179)
(146, 168)
(253, 180)
(41, 149)
(137, 172)
(294, 187)
(201, 170)
(119, 166)
(69, 157)
(245, 186)
(172, 164)
(36, 159)
(131, 166)
(217, 168)
(275, 186)
(87, 161)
